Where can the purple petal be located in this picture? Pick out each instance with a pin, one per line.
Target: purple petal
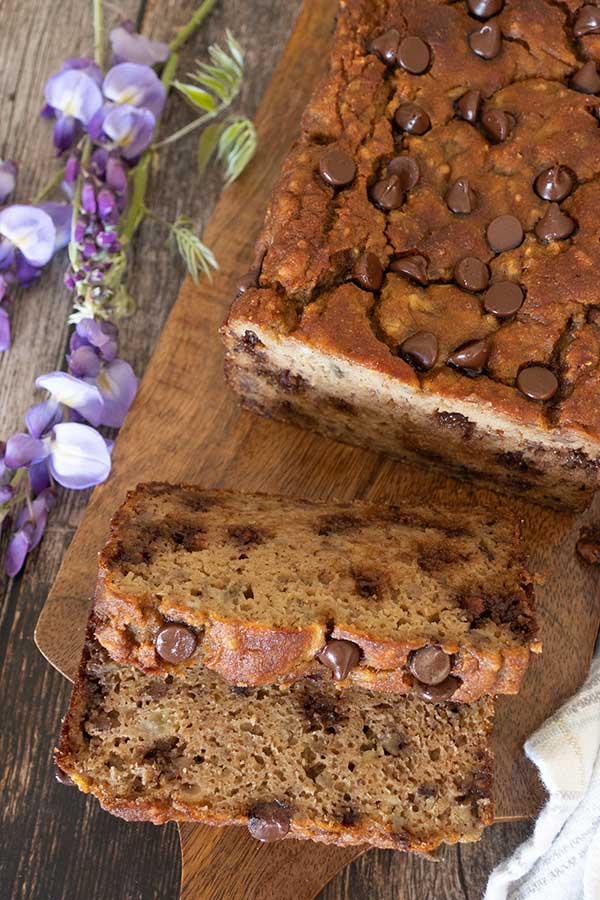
(98, 160)
(6, 493)
(39, 477)
(18, 548)
(130, 129)
(71, 169)
(40, 418)
(65, 131)
(25, 273)
(22, 450)
(127, 46)
(4, 330)
(107, 207)
(30, 230)
(78, 458)
(8, 179)
(116, 176)
(37, 516)
(73, 392)
(132, 84)
(84, 362)
(73, 92)
(102, 335)
(84, 64)
(88, 198)
(61, 214)
(118, 386)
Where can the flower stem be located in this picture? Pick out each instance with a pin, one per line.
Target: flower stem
(189, 28)
(98, 32)
(52, 182)
(191, 126)
(73, 249)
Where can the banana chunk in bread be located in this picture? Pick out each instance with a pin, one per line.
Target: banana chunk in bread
(342, 767)
(264, 589)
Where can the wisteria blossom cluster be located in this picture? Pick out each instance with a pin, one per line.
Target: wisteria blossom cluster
(105, 138)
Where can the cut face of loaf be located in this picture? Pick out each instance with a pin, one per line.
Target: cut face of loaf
(347, 767)
(270, 589)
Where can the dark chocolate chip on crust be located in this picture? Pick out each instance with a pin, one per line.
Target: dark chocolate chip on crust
(340, 656)
(471, 358)
(487, 40)
(497, 125)
(537, 382)
(413, 54)
(412, 118)
(175, 643)
(467, 106)
(269, 821)
(337, 168)
(407, 170)
(413, 266)
(437, 693)
(555, 225)
(587, 21)
(586, 79)
(461, 197)
(430, 664)
(386, 45)
(503, 299)
(388, 193)
(420, 350)
(471, 274)
(485, 9)
(555, 183)
(248, 281)
(367, 272)
(504, 233)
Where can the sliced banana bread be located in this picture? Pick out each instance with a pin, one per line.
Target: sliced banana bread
(343, 767)
(265, 589)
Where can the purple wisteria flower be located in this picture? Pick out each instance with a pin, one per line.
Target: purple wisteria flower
(126, 129)
(131, 84)
(129, 46)
(30, 526)
(61, 215)
(8, 179)
(76, 454)
(77, 394)
(73, 96)
(26, 230)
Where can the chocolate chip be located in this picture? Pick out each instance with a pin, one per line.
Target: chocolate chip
(340, 656)
(420, 350)
(412, 118)
(470, 358)
(386, 45)
(437, 693)
(586, 79)
(269, 821)
(504, 233)
(471, 274)
(368, 272)
(175, 643)
(587, 21)
(407, 170)
(588, 545)
(388, 194)
(337, 168)
(413, 54)
(485, 9)
(537, 382)
(467, 106)
(413, 266)
(248, 281)
(555, 225)
(62, 777)
(461, 197)
(487, 40)
(503, 299)
(497, 125)
(555, 183)
(430, 664)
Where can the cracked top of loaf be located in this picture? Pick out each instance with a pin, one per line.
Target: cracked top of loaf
(499, 147)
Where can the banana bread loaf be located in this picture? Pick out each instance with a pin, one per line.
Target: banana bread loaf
(347, 767)
(426, 280)
(265, 589)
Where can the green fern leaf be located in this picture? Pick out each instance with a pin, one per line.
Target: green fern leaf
(237, 146)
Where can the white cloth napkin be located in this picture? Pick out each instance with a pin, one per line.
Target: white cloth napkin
(561, 860)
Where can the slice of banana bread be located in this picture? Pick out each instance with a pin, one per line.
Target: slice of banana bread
(343, 767)
(264, 589)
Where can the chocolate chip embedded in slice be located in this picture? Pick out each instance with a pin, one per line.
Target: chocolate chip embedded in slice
(485, 9)
(175, 643)
(461, 197)
(588, 545)
(269, 821)
(555, 183)
(413, 266)
(486, 42)
(248, 281)
(337, 168)
(412, 118)
(555, 225)
(367, 272)
(467, 106)
(385, 46)
(587, 21)
(407, 170)
(471, 274)
(420, 350)
(504, 233)
(430, 664)
(470, 358)
(586, 79)
(414, 54)
(503, 299)
(437, 693)
(537, 382)
(340, 656)
(497, 125)
(388, 193)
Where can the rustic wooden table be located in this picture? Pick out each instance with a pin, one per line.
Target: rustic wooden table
(56, 844)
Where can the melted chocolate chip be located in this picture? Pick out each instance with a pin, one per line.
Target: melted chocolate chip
(504, 233)
(340, 656)
(467, 106)
(537, 382)
(555, 225)
(367, 272)
(470, 358)
(487, 40)
(587, 21)
(388, 193)
(497, 125)
(555, 183)
(461, 197)
(586, 79)
(471, 274)
(337, 168)
(269, 821)
(503, 299)
(175, 643)
(413, 55)
(437, 693)
(413, 266)
(420, 350)
(430, 664)
(412, 118)
(407, 170)
(386, 45)
(248, 281)
(588, 545)
(485, 9)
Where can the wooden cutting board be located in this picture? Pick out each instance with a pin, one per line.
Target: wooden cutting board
(186, 426)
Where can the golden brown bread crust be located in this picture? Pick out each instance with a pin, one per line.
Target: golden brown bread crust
(306, 311)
